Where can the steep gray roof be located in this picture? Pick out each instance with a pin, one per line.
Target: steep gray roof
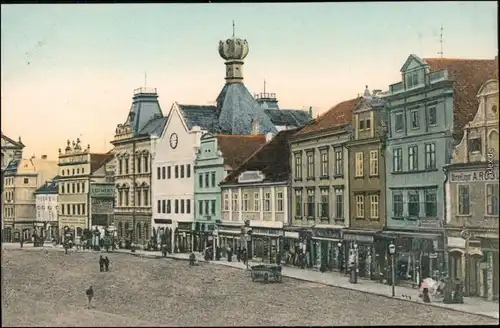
(144, 108)
(154, 127)
(49, 187)
(238, 108)
(288, 117)
(204, 116)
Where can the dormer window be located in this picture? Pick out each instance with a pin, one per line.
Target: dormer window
(368, 124)
(411, 80)
(475, 145)
(361, 125)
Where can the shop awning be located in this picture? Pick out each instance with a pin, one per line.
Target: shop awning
(163, 221)
(410, 234)
(229, 232)
(328, 226)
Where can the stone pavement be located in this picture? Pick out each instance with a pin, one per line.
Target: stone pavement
(471, 305)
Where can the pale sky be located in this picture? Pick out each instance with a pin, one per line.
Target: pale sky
(70, 70)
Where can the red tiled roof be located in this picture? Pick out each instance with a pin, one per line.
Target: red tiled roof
(338, 115)
(468, 76)
(98, 160)
(236, 148)
(272, 159)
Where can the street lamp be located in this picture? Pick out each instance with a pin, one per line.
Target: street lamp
(248, 239)
(392, 250)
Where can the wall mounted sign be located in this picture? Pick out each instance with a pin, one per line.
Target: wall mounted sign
(326, 233)
(266, 232)
(251, 176)
(104, 190)
(358, 238)
(430, 224)
(475, 176)
(101, 206)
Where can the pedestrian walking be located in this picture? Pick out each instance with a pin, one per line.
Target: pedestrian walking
(106, 263)
(22, 242)
(90, 295)
(101, 264)
(238, 254)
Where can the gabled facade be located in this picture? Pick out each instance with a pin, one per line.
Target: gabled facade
(472, 199)
(235, 112)
(133, 166)
(78, 169)
(46, 223)
(21, 179)
(367, 185)
(320, 186)
(255, 196)
(425, 113)
(218, 156)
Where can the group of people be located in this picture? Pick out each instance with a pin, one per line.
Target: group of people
(103, 264)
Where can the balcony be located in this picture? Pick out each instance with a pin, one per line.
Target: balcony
(396, 88)
(144, 90)
(264, 96)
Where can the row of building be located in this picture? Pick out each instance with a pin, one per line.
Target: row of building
(416, 166)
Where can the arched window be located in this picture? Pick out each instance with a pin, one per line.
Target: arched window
(120, 229)
(146, 231)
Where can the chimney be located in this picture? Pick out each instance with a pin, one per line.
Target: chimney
(269, 136)
(310, 111)
(44, 156)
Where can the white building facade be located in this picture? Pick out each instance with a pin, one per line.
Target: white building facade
(46, 210)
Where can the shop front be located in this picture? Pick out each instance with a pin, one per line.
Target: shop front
(267, 241)
(183, 238)
(202, 234)
(419, 255)
(490, 267)
(369, 251)
(327, 251)
(229, 235)
(163, 233)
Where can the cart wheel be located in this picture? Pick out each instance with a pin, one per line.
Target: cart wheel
(266, 277)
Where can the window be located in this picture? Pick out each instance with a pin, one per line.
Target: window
(213, 178)
(463, 200)
(138, 197)
(310, 165)
(339, 204)
(207, 180)
(163, 172)
(207, 207)
(26, 180)
(339, 163)
(73, 209)
(188, 171)
(245, 202)
(78, 209)
(77, 171)
(164, 206)
(267, 202)
(182, 171)
(411, 79)
(126, 196)
(256, 202)
(361, 125)
(279, 202)
(324, 210)
(158, 206)
(474, 145)
(169, 172)
(200, 180)
(83, 209)
(139, 164)
(235, 201)
(413, 158)
(169, 206)
(176, 206)
(368, 124)
(374, 206)
(432, 116)
(77, 188)
(146, 163)
(492, 199)
(188, 206)
(374, 162)
(212, 202)
(430, 156)
(359, 164)
(126, 165)
(430, 203)
(324, 162)
(360, 206)
(397, 160)
(200, 207)
(397, 204)
(182, 205)
(176, 171)
(62, 189)
(145, 196)
(398, 124)
(413, 203)
(298, 166)
(62, 209)
(72, 186)
(415, 124)
(120, 167)
(310, 204)
(158, 173)
(83, 171)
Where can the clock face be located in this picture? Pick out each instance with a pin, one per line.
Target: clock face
(174, 139)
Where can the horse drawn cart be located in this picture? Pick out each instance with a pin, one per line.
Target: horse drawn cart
(267, 273)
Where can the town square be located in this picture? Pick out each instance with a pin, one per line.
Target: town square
(241, 165)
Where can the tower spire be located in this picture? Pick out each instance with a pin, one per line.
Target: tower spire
(145, 79)
(233, 28)
(264, 85)
(441, 53)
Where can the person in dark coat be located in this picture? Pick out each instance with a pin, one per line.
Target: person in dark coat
(238, 254)
(90, 295)
(101, 264)
(106, 263)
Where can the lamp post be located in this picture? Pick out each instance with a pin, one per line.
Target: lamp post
(248, 239)
(339, 256)
(392, 250)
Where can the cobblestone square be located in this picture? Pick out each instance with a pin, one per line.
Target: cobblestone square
(45, 287)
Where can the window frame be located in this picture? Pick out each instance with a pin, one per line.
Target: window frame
(395, 213)
(324, 162)
(256, 201)
(310, 165)
(339, 162)
(430, 156)
(374, 163)
(360, 206)
(267, 201)
(410, 194)
(413, 158)
(401, 117)
(427, 193)
(359, 167)
(374, 205)
(279, 201)
(433, 109)
(324, 207)
(245, 202)
(415, 118)
(339, 210)
(397, 159)
(298, 196)
(298, 166)
(225, 201)
(459, 200)
(491, 198)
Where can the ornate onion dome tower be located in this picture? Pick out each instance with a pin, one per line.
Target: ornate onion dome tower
(234, 51)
